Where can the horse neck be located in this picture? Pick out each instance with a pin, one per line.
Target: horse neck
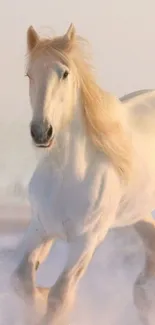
(74, 149)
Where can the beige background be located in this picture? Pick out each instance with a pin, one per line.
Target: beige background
(122, 37)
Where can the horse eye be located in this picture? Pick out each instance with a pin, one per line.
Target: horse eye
(65, 74)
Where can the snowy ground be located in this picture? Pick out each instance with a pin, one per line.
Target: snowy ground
(105, 292)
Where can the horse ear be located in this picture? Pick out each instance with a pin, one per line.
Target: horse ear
(71, 33)
(32, 38)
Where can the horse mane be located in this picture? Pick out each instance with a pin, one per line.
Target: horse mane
(103, 113)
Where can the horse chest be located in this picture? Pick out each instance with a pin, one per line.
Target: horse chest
(64, 202)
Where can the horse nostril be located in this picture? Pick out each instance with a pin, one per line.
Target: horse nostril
(36, 132)
(41, 133)
(50, 131)
(32, 132)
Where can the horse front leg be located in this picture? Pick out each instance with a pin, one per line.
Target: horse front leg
(61, 295)
(30, 252)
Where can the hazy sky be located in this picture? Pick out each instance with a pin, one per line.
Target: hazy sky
(122, 37)
(121, 34)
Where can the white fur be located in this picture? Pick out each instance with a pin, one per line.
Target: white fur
(78, 196)
(76, 192)
(75, 177)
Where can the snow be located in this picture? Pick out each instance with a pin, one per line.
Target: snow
(105, 292)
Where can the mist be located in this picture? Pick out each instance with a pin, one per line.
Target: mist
(122, 39)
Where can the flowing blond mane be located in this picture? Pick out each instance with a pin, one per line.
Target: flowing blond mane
(103, 113)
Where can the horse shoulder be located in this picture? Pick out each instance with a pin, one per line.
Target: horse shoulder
(105, 211)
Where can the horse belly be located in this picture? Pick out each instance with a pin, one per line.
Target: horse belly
(136, 204)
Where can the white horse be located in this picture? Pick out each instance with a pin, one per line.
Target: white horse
(98, 171)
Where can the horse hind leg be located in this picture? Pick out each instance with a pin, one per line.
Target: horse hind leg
(144, 287)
